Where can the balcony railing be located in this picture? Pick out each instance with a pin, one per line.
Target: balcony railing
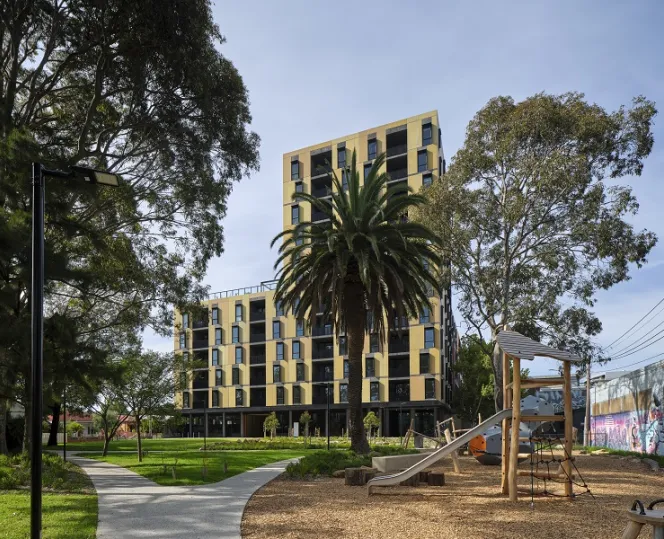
(319, 170)
(398, 347)
(321, 191)
(321, 331)
(318, 216)
(323, 353)
(257, 359)
(263, 287)
(397, 150)
(198, 324)
(257, 337)
(257, 316)
(200, 343)
(399, 392)
(398, 174)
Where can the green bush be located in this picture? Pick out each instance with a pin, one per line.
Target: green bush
(251, 445)
(328, 462)
(56, 473)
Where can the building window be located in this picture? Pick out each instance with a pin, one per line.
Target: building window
(374, 391)
(238, 354)
(299, 328)
(428, 338)
(215, 357)
(185, 320)
(342, 346)
(426, 134)
(297, 396)
(218, 377)
(424, 363)
(215, 399)
(372, 148)
(299, 372)
(183, 380)
(296, 304)
(215, 316)
(238, 312)
(424, 315)
(367, 169)
(239, 397)
(341, 158)
(430, 388)
(217, 336)
(276, 374)
(185, 399)
(343, 392)
(344, 180)
(298, 241)
(346, 368)
(185, 357)
(373, 343)
(296, 349)
(280, 351)
(236, 334)
(276, 330)
(299, 187)
(427, 179)
(280, 308)
(294, 170)
(370, 367)
(236, 376)
(422, 161)
(183, 340)
(280, 395)
(295, 215)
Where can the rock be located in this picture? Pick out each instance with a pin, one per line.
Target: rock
(654, 465)
(339, 473)
(583, 452)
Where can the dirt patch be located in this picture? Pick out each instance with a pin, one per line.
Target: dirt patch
(469, 506)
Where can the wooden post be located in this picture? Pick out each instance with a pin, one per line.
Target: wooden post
(569, 426)
(507, 401)
(516, 420)
(454, 455)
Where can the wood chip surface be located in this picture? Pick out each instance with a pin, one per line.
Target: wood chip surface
(469, 506)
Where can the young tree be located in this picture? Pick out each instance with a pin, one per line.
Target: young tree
(74, 428)
(271, 424)
(368, 260)
(533, 220)
(84, 87)
(305, 419)
(148, 385)
(108, 413)
(371, 423)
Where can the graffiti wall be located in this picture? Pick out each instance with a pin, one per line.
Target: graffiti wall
(628, 412)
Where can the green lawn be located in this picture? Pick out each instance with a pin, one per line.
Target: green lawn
(69, 499)
(65, 516)
(155, 444)
(189, 464)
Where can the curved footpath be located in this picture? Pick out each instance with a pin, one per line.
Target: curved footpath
(133, 507)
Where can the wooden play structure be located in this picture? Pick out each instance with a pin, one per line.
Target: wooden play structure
(514, 348)
(640, 516)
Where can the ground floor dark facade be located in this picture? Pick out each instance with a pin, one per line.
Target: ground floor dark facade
(395, 419)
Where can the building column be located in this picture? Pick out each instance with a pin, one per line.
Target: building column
(327, 423)
(290, 420)
(223, 424)
(241, 424)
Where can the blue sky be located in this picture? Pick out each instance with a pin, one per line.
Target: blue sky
(318, 70)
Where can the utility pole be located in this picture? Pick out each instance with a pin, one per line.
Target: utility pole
(586, 427)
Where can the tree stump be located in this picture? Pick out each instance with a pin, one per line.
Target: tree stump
(369, 473)
(411, 481)
(436, 479)
(424, 477)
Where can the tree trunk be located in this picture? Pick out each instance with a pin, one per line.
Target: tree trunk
(138, 437)
(27, 415)
(55, 424)
(4, 450)
(497, 364)
(106, 442)
(355, 316)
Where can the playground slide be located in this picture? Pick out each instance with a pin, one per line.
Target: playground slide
(395, 479)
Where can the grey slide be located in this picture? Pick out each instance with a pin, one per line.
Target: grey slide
(395, 479)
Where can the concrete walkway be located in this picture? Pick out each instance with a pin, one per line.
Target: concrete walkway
(133, 507)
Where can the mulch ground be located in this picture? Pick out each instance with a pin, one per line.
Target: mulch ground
(469, 506)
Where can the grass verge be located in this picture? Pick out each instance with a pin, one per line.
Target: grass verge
(607, 451)
(176, 468)
(69, 500)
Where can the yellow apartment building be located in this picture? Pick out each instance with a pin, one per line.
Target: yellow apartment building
(252, 357)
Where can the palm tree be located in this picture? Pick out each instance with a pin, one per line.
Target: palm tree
(362, 266)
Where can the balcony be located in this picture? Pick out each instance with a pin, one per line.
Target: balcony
(399, 367)
(257, 314)
(322, 191)
(201, 380)
(200, 342)
(257, 336)
(322, 372)
(257, 396)
(398, 174)
(199, 324)
(320, 170)
(317, 215)
(321, 331)
(200, 399)
(323, 351)
(398, 149)
(257, 376)
(399, 391)
(256, 359)
(398, 347)
(319, 394)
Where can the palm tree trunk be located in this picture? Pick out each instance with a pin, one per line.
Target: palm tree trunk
(355, 326)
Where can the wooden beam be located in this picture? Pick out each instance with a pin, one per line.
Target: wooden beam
(516, 419)
(534, 383)
(541, 475)
(454, 454)
(527, 418)
(505, 443)
(569, 426)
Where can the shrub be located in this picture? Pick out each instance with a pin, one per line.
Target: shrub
(56, 473)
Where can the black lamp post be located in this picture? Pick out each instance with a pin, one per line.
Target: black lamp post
(64, 426)
(37, 300)
(328, 376)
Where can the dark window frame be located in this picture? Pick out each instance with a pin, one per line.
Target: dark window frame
(425, 360)
(421, 167)
(215, 357)
(280, 395)
(276, 369)
(429, 388)
(236, 376)
(276, 334)
(370, 372)
(341, 163)
(279, 308)
(218, 377)
(376, 386)
(281, 351)
(372, 149)
(346, 368)
(239, 349)
(297, 395)
(215, 316)
(295, 170)
(300, 375)
(367, 170)
(217, 336)
(427, 179)
(429, 343)
(239, 312)
(299, 328)
(343, 392)
(426, 140)
(298, 354)
(239, 392)
(295, 214)
(186, 399)
(215, 399)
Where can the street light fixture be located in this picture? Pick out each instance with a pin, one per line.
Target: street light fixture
(37, 300)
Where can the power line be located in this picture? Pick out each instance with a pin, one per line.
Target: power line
(636, 363)
(637, 323)
(643, 336)
(642, 346)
